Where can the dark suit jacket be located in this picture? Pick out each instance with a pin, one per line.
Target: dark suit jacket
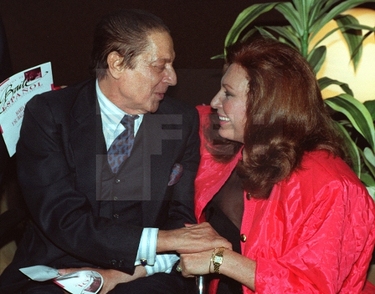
(60, 144)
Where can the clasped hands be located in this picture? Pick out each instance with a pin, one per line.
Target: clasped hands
(194, 243)
(195, 256)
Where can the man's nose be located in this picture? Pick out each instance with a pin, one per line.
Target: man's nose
(171, 77)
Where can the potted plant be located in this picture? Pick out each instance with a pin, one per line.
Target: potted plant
(305, 19)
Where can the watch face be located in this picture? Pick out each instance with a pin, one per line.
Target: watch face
(218, 259)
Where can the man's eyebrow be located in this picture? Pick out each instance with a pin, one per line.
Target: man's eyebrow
(164, 60)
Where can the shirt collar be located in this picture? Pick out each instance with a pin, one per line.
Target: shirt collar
(111, 117)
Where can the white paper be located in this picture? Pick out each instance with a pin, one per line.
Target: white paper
(15, 92)
(80, 282)
(40, 273)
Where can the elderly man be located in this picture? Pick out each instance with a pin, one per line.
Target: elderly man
(107, 168)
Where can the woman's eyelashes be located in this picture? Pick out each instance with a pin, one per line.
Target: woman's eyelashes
(227, 94)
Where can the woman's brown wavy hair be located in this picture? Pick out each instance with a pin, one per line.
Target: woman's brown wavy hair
(286, 115)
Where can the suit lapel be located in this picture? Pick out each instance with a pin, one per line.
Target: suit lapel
(149, 208)
(85, 132)
(158, 160)
(101, 150)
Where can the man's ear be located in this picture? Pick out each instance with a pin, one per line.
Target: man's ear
(115, 66)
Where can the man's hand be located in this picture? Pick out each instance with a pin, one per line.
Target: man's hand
(191, 239)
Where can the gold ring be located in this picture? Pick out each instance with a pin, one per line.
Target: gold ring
(178, 268)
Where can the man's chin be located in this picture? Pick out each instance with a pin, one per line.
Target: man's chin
(154, 107)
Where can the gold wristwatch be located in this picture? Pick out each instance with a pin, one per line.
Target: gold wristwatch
(217, 259)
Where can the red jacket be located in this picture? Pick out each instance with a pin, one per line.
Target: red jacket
(313, 235)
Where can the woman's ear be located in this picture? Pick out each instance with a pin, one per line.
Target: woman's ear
(115, 66)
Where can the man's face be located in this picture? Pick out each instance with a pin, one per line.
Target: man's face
(141, 89)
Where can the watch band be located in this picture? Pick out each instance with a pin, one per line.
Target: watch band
(217, 259)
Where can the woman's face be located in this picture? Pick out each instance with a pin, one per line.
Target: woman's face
(231, 102)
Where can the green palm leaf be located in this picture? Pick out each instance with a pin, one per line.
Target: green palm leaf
(368, 180)
(324, 82)
(319, 9)
(357, 114)
(316, 58)
(369, 157)
(292, 16)
(245, 18)
(352, 38)
(287, 33)
(351, 149)
(370, 105)
(334, 11)
(265, 33)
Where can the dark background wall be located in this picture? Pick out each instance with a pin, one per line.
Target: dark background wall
(61, 31)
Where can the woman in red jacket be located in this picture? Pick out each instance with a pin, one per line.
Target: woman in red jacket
(278, 186)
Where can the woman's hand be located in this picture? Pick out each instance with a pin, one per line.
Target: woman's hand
(234, 265)
(111, 277)
(191, 239)
(196, 263)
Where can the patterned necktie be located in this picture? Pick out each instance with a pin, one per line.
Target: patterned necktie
(123, 144)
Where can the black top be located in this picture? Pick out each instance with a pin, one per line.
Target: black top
(224, 213)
